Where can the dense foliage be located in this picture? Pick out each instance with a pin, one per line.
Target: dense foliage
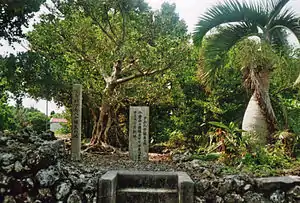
(15, 14)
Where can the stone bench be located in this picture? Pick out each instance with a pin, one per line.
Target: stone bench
(144, 186)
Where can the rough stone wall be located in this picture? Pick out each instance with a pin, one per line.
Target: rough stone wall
(236, 189)
(33, 169)
(36, 168)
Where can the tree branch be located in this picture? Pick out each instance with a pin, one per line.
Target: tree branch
(126, 79)
(102, 28)
(108, 21)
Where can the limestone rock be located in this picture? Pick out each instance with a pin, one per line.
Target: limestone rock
(200, 200)
(62, 190)
(45, 194)
(28, 183)
(201, 186)
(251, 197)
(9, 168)
(47, 177)
(277, 197)
(233, 198)
(295, 192)
(7, 159)
(74, 197)
(225, 186)
(247, 187)
(9, 199)
(207, 174)
(18, 167)
(219, 199)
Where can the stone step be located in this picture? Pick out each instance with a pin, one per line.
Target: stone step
(144, 187)
(145, 195)
(147, 180)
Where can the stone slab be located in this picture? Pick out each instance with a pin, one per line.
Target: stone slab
(271, 183)
(139, 133)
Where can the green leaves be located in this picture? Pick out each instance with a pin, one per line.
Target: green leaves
(228, 12)
(14, 15)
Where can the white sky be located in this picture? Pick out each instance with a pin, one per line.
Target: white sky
(189, 10)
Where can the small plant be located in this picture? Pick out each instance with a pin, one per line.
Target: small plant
(227, 137)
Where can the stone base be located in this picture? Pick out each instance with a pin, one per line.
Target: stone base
(144, 186)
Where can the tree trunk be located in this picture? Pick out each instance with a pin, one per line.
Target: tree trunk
(106, 126)
(259, 119)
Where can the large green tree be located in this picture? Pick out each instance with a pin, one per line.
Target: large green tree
(268, 20)
(120, 51)
(15, 14)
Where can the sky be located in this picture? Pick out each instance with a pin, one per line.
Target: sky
(189, 11)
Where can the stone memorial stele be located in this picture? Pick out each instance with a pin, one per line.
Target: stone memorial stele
(139, 133)
(76, 122)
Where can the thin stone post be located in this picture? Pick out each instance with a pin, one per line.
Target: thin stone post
(76, 122)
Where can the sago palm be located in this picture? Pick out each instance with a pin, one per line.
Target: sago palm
(268, 20)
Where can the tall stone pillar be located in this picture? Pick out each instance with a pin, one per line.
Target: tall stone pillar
(76, 122)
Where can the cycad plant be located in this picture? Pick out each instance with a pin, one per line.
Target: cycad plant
(270, 21)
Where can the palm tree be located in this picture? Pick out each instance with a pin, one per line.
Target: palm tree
(269, 21)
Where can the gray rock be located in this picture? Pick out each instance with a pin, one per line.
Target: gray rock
(91, 185)
(9, 168)
(294, 192)
(199, 200)
(44, 193)
(207, 174)
(251, 197)
(247, 187)
(3, 140)
(219, 199)
(28, 183)
(62, 190)
(90, 197)
(47, 177)
(6, 159)
(179, 157)
(9, 199)
(211, 193)
(2, 191)
(74, 197)
(201, 186)
(3, 179)
(277, 197)
(225, 186)
(233, 198)
(239, 183)
(18, 166)
(195, 163)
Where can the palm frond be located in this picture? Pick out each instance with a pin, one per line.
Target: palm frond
(219, 44)
(287, 20)
(279, 38)
(277, 6)
(228, 12)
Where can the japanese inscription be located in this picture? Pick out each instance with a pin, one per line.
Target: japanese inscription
(76, 122)
(139, 133)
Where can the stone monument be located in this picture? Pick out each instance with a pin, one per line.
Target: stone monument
(76, 122)
(139, 133)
